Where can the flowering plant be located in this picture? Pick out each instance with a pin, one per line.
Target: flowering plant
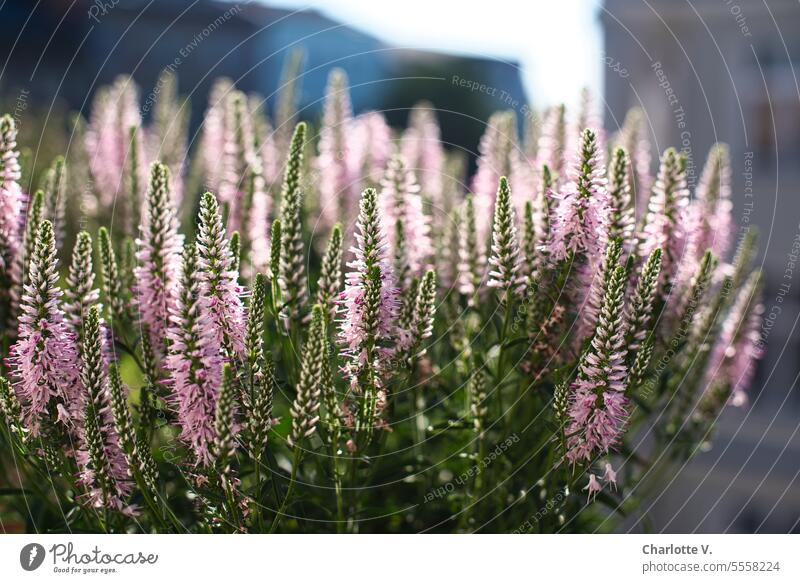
(345, 339)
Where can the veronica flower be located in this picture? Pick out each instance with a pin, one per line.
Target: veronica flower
(421, 148)
(633, 139)
(369, 304)
(710, 212)
(215, 133)
(238, 159)
(401, 205)
(738, 347)
(494, 161)
(537, 243)
(222, 305)
(621, 212)
(80, 292)
(224, 427)
(598, 406)
(104, 466)
(44, 360)
(593, 486)
(55, 193)
(587, 118)
(471, 252)
(115, 111)
(305, 408)
(18, 274)
(477, 399)
(292, 265)
(641, 307)
(336, 189)
(137, 455)
(158, 257)
(194, 360)
(665, 226)
(12, 199)
(259, 420)
(421, 325)
(258, 231)
(330, 277)
(360, 326)
(599, 284)
(580, 222)
(258, 370)
(264, 141)
(505, 274)
(167, 136)
(552, 147)
(113, 288)
(371, 139)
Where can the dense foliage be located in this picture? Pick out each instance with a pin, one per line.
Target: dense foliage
(329, 332)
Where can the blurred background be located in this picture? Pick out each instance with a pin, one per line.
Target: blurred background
(702, 71)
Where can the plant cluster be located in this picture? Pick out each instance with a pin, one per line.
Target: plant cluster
(284, 330)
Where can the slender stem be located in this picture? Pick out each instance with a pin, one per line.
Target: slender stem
(298, 454)
(337, 481)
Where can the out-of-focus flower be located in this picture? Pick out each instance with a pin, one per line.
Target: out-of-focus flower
(12, 199)
(401, 206)
(665, 226)
(337, 188)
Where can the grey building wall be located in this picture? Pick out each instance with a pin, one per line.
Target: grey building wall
(726, 70)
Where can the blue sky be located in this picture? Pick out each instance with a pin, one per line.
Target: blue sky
(557, 43)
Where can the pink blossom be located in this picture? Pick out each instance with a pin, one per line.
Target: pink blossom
(580, 219)
(194, 361)
(158, 257)
(609, 475)
(593, 486)
(12, 199)
(371, 139)
(400, 201)
(422, 149)
(44, 361)
(115, 111)
(338, 187)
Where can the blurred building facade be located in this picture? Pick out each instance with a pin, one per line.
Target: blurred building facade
(722, 70)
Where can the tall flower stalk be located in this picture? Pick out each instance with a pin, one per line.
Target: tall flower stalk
(220, 292)
(158, 257)
(369, 307)
(194, 361)
(598, 408)
(44, 360)
(292, 266)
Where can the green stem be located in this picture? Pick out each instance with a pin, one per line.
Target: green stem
(298, 454)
